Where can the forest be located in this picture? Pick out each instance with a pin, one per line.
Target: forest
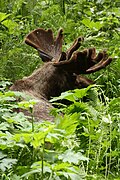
(82, 143)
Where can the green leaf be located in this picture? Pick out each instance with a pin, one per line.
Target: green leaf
(72, 157)
(74, 176)
(2, 155)
(65, 95)
(2, 134)
(5, 98)
(40, 137)
(73, 95)
(68, 123)
(7, 163)
(4, 126)
(27, 137)
(114, 105)
(11, 25)
(86, 22)
(38, 165)
(61, 166)
(27, 104)
(91, 24)
(30, 172)
(36, 168)
(80, 93)
(3, 16)
(15, 177)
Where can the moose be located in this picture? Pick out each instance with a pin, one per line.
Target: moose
(60, 72)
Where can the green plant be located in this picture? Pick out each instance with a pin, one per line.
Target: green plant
(37, 150)
(98, 128)
(94, 124)
(84, 142)
(97, 21)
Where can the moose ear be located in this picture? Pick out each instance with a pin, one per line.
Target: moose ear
(82, 82)
(44, 42)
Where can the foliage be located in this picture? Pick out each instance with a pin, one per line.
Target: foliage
(81, 144)
(98, 129)
(97, 21)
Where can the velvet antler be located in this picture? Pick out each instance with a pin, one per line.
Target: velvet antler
(43, 40)
(61, 72)
(73, 61)
(78, 62)
(85, 62)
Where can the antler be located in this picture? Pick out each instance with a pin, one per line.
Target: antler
(85, 62)
(76, 44)
(73, 61)
(43, 40)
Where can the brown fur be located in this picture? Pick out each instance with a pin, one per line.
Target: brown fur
(48, 81)
(60, 71)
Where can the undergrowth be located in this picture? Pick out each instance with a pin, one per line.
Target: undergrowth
(83, 143)
(97, 21)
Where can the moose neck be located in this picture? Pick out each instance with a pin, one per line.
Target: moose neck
(48, 81)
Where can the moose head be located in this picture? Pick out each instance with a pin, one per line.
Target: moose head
(61, 71)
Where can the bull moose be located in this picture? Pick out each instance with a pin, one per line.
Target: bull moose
(60, 72)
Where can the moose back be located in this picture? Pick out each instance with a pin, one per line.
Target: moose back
(61, 71)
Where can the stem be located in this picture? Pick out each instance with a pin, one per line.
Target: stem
(63, 6)
(32, 123)
(106, 168)
(31, 110)
(89, 145)
(42, 157)
(99, 151)
(98, 157)
(33, 151)
(110, 148)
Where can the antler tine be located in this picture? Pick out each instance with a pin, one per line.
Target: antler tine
(43, 40)
(76, 44)
(98, 58)
(95, 63)
(102, 64)
(37, 37)
(50, 49)
(29, 40)
(58, 46)
(85, 62)
(72, 65)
